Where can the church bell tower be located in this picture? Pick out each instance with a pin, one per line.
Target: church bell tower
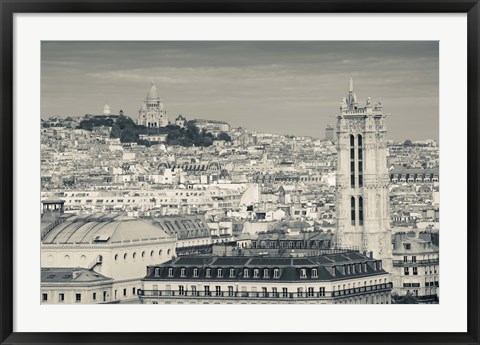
(362, 204)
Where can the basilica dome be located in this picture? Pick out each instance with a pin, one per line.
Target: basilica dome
(153, 93)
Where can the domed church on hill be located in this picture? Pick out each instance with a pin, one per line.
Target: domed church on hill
(152, 113)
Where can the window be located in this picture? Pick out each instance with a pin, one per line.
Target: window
(303, 273)
(406, 271)
(194, 290)
(208, 273)
(157, 272)
(134, 255)
(218, 291)
(276, 273)
(151, 254)
(310, 292)
(207, 290)
(265, 273)
(181, 290)
(170, 272)
(405, 259)
(360, 210)
(264, 292)
(182, 272)
(407, 246)
(94, 296)
(230, 291)
(78, 297)
(44, 297)
(360, 162)
(352, 161)
(314, 273)
(124, 292)
(133, 291)
(61, 297)
(245, 273)
(143, 254)
(284, 292)
(322, 291)
(195, 272)
(299, 292)
(255, 273)
(274, 292)
(232, 272)
(220, 273)
(352, 210)
(125, 256)
(414, 259)
(116, 257)
(415, 272)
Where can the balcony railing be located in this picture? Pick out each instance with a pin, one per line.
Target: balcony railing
(402, 263)
(231, 294)
(263, 295)
(362, 290)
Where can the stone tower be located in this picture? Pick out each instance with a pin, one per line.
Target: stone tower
(363, 219)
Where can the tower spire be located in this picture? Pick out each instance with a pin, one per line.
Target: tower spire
(350, 84)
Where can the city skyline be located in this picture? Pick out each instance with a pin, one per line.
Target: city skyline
(279, 87)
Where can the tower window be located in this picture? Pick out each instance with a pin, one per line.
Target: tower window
(352, 213)
(352, 161)
(360, 210)
(360, 161)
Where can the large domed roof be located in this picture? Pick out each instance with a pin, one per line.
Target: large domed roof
(153, 93)
(103, 229)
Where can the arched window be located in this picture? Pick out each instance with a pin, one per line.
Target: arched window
(360, 161)
(360, 210)
(352, 161)
(352, 213)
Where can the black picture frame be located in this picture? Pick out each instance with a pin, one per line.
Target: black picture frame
(11, 7)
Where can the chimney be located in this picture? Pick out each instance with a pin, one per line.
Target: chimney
(370, 254)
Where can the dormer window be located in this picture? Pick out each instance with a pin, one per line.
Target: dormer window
(303, 273)
(314, 273)
(157, 272)
(195, 272)
(365, 267)
(348, 269)
(276, 273)
(208, 273)
(245, 273)
(265, 273)
(170, 272)
(182, 272)
(353, 269)
(256, 273)
(219, 273)
(232, 272)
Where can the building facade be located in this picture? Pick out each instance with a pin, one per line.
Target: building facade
(415, 266)
(362, 207)
(115, 247)
(345, 278)
(74, 286)
(152, 113)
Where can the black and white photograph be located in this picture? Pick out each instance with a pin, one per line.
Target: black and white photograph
(239, 172)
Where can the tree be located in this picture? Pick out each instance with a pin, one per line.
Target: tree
(407, 142)
(409, 298)
(224, 136)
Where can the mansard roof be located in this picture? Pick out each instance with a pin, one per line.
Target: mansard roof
(328, 267)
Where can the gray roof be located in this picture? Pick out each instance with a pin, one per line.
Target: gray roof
(70, 275)
(101, 230)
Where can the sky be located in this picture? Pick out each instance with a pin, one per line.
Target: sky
(284, 87)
